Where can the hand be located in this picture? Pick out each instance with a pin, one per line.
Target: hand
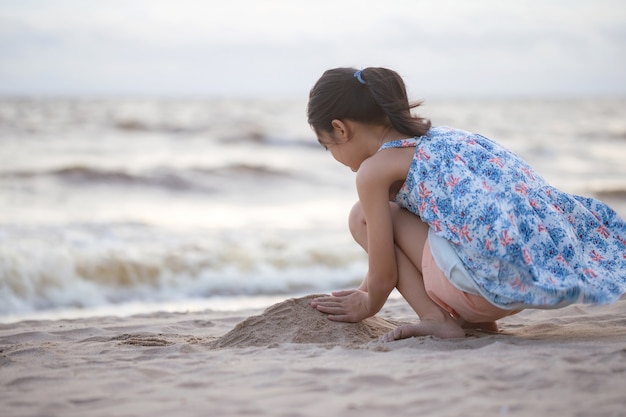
(348, 306)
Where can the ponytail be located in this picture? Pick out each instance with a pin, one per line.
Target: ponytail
(371, 95)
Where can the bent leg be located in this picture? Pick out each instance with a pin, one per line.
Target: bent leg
(406, 227)
(434, 320)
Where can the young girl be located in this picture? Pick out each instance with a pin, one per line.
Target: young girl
(464, 229)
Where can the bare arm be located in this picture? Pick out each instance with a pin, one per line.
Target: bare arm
(373, 189)
(374, 179)
(363, 286)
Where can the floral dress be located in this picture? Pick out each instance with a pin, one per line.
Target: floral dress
(523, 242)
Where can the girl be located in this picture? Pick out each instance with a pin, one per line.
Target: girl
(472, 233)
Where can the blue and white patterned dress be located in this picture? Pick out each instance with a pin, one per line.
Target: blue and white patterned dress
(523, 242)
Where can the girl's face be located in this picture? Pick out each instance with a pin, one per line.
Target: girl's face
(339, 150)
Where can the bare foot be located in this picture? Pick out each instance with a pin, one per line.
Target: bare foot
(448, 329)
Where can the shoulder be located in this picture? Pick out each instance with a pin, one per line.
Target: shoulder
(446, 142)
(445, 134)
(385, 167)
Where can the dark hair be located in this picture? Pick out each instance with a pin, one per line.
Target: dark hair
(378, 96)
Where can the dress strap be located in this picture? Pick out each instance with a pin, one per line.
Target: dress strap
(400, 143)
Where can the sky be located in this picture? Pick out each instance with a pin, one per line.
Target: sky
(279, 48)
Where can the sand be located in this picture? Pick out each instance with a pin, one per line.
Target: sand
(289, 360)
(294, 321)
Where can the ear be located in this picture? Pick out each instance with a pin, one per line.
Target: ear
(342, 131)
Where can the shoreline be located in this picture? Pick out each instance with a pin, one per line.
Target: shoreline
(223, 304)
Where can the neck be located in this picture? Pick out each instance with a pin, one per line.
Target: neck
(372, 137)
(384, 134)
(389, 133)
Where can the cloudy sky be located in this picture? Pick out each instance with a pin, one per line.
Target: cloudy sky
(263, 48)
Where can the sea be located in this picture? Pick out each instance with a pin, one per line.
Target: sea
(121, 206)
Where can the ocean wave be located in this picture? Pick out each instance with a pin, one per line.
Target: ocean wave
(224, 135)
(244, 169)
(138, 125)
(87, 266)
(228, 121)
(262, 138)
(613, 193)
(200, 179)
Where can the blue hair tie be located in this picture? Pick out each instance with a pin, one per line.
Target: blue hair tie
(357, 75)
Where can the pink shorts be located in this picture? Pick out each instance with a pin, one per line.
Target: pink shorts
(470, 307)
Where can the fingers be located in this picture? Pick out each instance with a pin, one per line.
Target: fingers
(332, 298)
(339, 306)
(331, 308)
(341, 318)
(334, 309)
(324, 300)
(326, 305)
(343, 293)
(335, 312)
(330, 301)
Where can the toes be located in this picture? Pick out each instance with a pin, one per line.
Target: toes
(395, 334)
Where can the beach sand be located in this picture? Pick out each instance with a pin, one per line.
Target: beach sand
(289, 360)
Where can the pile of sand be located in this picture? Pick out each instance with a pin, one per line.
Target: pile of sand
(295, 321)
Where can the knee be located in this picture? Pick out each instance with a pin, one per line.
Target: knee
(357, 225)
